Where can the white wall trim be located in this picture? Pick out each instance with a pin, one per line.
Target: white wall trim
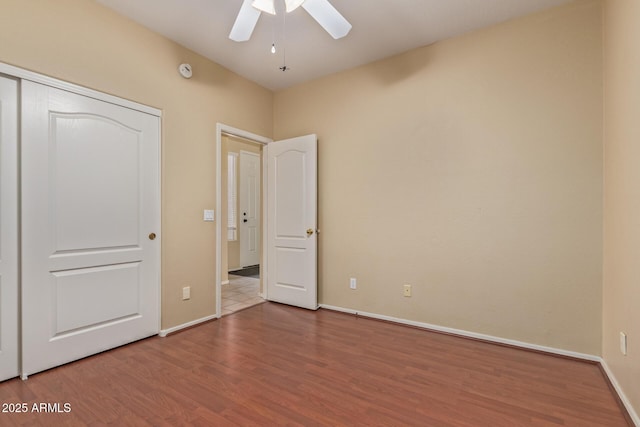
(77, 89)
(230, 130)
(226, 282)
(164, 332)
(623, 397)
(468, 334)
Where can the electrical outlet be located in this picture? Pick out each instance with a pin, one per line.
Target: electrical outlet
(352, 283)
(407, 290)
(623, 343)
(186, 293)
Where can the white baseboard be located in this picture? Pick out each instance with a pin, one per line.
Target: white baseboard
(463, 333)
(164, 332)
(623, 397)
(226, 282)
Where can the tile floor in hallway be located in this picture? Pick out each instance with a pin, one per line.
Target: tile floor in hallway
(240, 293)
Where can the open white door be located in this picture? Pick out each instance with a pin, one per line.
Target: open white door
(8, 228)
(292, 222)
(90, 211)
(249, 209)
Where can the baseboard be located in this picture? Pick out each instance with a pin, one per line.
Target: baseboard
(164, 332)
(467, 334)
(226, 282)
(623, 397)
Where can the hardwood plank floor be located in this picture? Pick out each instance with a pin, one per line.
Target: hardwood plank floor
(277, 365)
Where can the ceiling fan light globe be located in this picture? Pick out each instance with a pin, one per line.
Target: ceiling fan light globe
(266, 6)
(292, 5)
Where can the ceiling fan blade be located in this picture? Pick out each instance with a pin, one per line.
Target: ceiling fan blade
(327, 16)
(245, 22)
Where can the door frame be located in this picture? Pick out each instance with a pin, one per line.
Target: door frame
(221, 128)
(22, 74)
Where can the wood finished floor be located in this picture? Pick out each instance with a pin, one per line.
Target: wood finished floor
(276, 365)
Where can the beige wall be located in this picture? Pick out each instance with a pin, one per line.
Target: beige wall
(82, 42)
(622, 193)
(471, 169)
(231, 257)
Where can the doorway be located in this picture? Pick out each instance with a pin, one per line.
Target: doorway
(239, 203)
(289, 231)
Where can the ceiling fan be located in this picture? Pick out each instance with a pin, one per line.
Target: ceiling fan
(321, 10)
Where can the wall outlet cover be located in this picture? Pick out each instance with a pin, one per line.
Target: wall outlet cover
(623, 343)
(407, 290)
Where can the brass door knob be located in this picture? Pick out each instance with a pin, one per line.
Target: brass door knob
(152, 236)
(309, 231)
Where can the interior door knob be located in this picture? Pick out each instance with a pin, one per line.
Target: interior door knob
(309, 231)
(152, 236)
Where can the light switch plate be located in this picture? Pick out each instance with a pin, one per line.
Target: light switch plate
(209, 215)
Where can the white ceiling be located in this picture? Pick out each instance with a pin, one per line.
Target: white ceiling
(381, 28)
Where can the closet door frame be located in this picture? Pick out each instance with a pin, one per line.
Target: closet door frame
(19, 73)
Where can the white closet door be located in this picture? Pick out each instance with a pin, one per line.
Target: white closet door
(90, 212)
(8, 228)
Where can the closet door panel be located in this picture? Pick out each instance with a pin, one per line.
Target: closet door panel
(8, 228)
(90, 217)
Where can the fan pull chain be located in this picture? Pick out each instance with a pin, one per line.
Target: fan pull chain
(284, 43)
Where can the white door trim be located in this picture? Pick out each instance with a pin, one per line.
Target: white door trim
(230, 130)
(74, 88)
